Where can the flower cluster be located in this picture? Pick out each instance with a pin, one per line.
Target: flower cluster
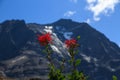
(44, 39)
(56, 73)
(72, 43)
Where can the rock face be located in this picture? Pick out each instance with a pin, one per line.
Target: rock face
(13, 36)
(22, 56)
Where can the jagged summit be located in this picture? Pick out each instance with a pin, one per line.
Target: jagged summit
(64, 20)
(22, 56)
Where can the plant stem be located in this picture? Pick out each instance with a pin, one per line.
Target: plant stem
(73, 59)
(49, 55)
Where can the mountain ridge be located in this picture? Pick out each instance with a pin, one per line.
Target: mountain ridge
(98, 53)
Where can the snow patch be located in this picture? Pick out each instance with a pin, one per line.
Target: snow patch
(89, 48)
(105, 49)
(57, 44)
(60, 29)
(68, 35)
(48, 29)
(111, 69)
(87, 58)
(55, 48)
(18, 59)
(95, 59)
(57, 27)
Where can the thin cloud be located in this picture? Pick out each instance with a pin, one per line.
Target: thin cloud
(91, 1)
(88, 20)
(99, 7)
(69, 13)
(75, 1)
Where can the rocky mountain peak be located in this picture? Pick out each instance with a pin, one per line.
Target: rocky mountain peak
(21, 53)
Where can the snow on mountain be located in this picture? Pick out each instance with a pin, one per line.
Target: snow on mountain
(87, 58)
(57, 45)
(67, 35)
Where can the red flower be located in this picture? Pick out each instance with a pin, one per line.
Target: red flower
(72, 43)
(44, 39)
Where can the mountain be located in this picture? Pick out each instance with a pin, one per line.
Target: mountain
(21, 56)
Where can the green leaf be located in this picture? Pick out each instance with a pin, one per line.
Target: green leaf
(114, 77)
(77, 62)
(76, 52)
(70, 61)
(78, 37)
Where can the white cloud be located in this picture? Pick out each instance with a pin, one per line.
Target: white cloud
(101, 7)
(91, 1)
(88, 20)
(69, 13)
(96, 18)
(75, 1)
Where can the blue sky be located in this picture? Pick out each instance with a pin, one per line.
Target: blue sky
(103, 15)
